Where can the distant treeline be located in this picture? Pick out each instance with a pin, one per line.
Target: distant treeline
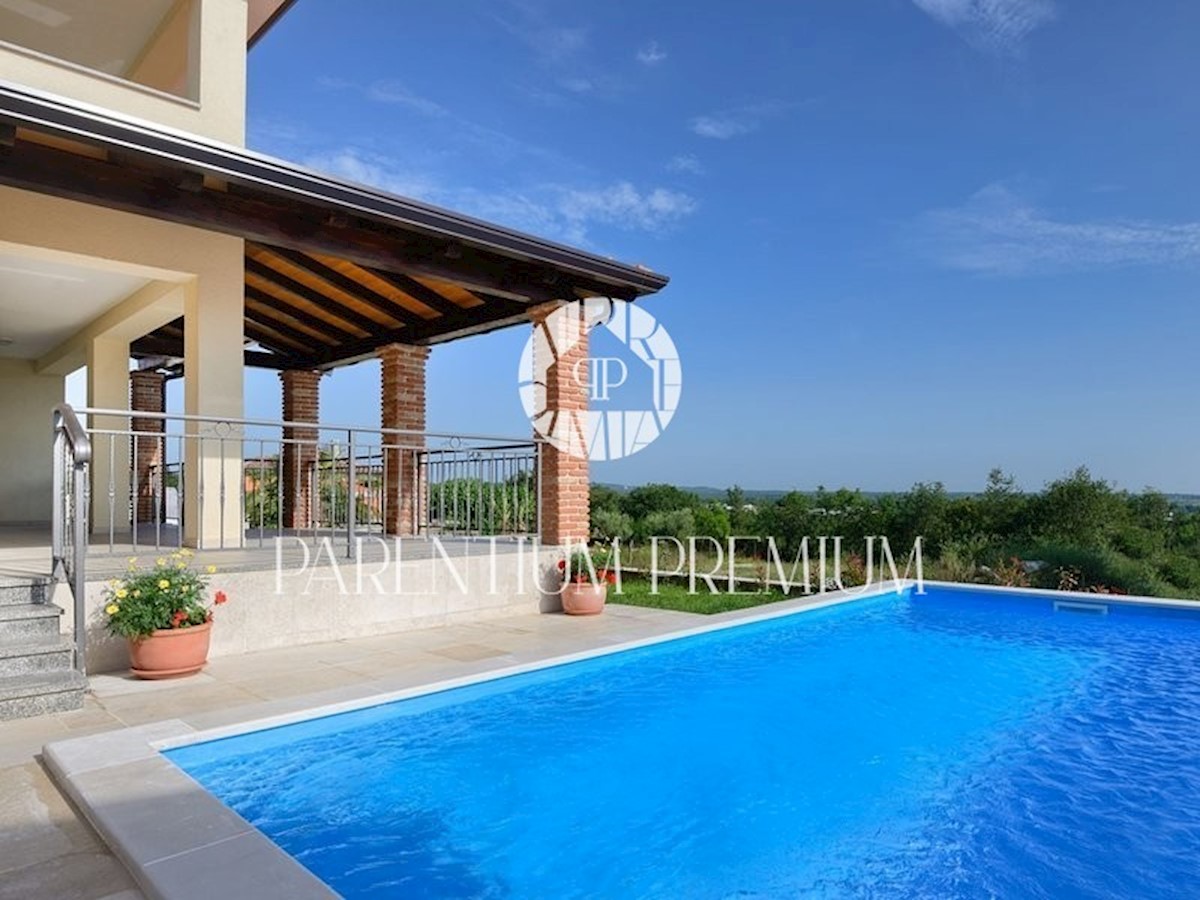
(1078, 533)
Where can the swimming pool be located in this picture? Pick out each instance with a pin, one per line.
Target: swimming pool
(956, 744)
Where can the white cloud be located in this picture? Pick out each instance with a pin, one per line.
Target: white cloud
(375, 171)
(557, 211)
(730, 123)
(995, 26)
(998, 232)
(624, 206)
(650, 54)
(578, 85)
(396, 93)
(550, 41)
(686, 163)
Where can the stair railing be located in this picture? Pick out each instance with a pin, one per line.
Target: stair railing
(69, 530)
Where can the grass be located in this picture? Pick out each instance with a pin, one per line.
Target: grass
(673, 594)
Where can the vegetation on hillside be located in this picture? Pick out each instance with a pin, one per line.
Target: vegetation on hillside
(1078, 533)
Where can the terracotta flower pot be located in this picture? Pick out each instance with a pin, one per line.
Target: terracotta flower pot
(170, 652)
(584, 598)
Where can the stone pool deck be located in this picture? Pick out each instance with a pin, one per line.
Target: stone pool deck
(47, 850)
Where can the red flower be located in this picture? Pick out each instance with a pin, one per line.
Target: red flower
(562, 565)
(610, 577)
(179, 618)
(219, 598)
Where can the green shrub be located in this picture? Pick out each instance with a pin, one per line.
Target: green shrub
(168, 595)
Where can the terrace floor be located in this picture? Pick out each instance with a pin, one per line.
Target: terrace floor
(48, 851)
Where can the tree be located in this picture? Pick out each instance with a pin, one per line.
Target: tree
(652, 498)
(1081, 511)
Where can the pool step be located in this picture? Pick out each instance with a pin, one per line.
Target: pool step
(36, 675)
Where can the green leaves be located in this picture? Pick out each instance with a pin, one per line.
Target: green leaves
(169, 595)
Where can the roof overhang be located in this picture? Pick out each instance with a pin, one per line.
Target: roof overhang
(261, 15)
(428, 274)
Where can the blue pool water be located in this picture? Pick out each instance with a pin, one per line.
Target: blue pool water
(957, 744)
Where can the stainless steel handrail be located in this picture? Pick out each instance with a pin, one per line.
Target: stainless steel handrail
(69, 522)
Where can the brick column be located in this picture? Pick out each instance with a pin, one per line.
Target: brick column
(301, 403)
(147, 393)
(403, 406)
(562, 418)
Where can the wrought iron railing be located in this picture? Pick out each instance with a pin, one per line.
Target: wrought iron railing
(263, 479)
(69, 521)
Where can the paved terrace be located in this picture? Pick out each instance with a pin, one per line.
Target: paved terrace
(48, 851)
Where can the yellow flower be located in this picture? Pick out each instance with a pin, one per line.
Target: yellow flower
(212, 570)
(122, 593)
(132, 563)
(161, 561)
(186, 588)
(164, 584)
(136, 594)
(181, 565)
(185, 552)
(112, 609)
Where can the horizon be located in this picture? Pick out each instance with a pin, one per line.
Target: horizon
(915, 290)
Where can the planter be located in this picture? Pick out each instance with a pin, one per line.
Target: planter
(170, 652)
(584, 599)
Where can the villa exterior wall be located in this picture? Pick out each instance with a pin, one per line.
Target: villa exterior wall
(215, 43)
(265, 613)
(195, 273)
(26, 399)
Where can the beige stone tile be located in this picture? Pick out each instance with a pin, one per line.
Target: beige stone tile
(467, 652)
(134, 709)
(36, 821)
(384, 663)
(93, 875)
(117, 684)
(303, 680)
(93, 717)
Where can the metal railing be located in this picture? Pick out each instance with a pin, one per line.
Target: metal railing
(69, 521)
(159, 480)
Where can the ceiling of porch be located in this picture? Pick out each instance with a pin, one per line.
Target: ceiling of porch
(313, 310)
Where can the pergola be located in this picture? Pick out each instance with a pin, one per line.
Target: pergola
(334, 272)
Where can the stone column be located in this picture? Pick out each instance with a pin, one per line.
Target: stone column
(301, 403)
(560, 358)
(147, 393)
(403, 406)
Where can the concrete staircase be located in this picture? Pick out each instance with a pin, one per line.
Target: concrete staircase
(35, 660)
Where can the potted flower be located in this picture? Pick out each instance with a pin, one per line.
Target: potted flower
(585, 583)
(163, 612)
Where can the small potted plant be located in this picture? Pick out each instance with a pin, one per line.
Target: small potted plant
(163, 612)
(585, 583)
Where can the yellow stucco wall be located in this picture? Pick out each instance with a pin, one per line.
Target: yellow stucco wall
(217, 78)
(26, 399)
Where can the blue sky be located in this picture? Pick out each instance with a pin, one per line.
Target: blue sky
(908, 239)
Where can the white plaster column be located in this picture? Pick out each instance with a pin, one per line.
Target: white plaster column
(108, 388)
(213, 386)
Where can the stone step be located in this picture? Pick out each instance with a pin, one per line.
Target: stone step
(19, 621)
(41, 693)
(34, 655)
(16, 591)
